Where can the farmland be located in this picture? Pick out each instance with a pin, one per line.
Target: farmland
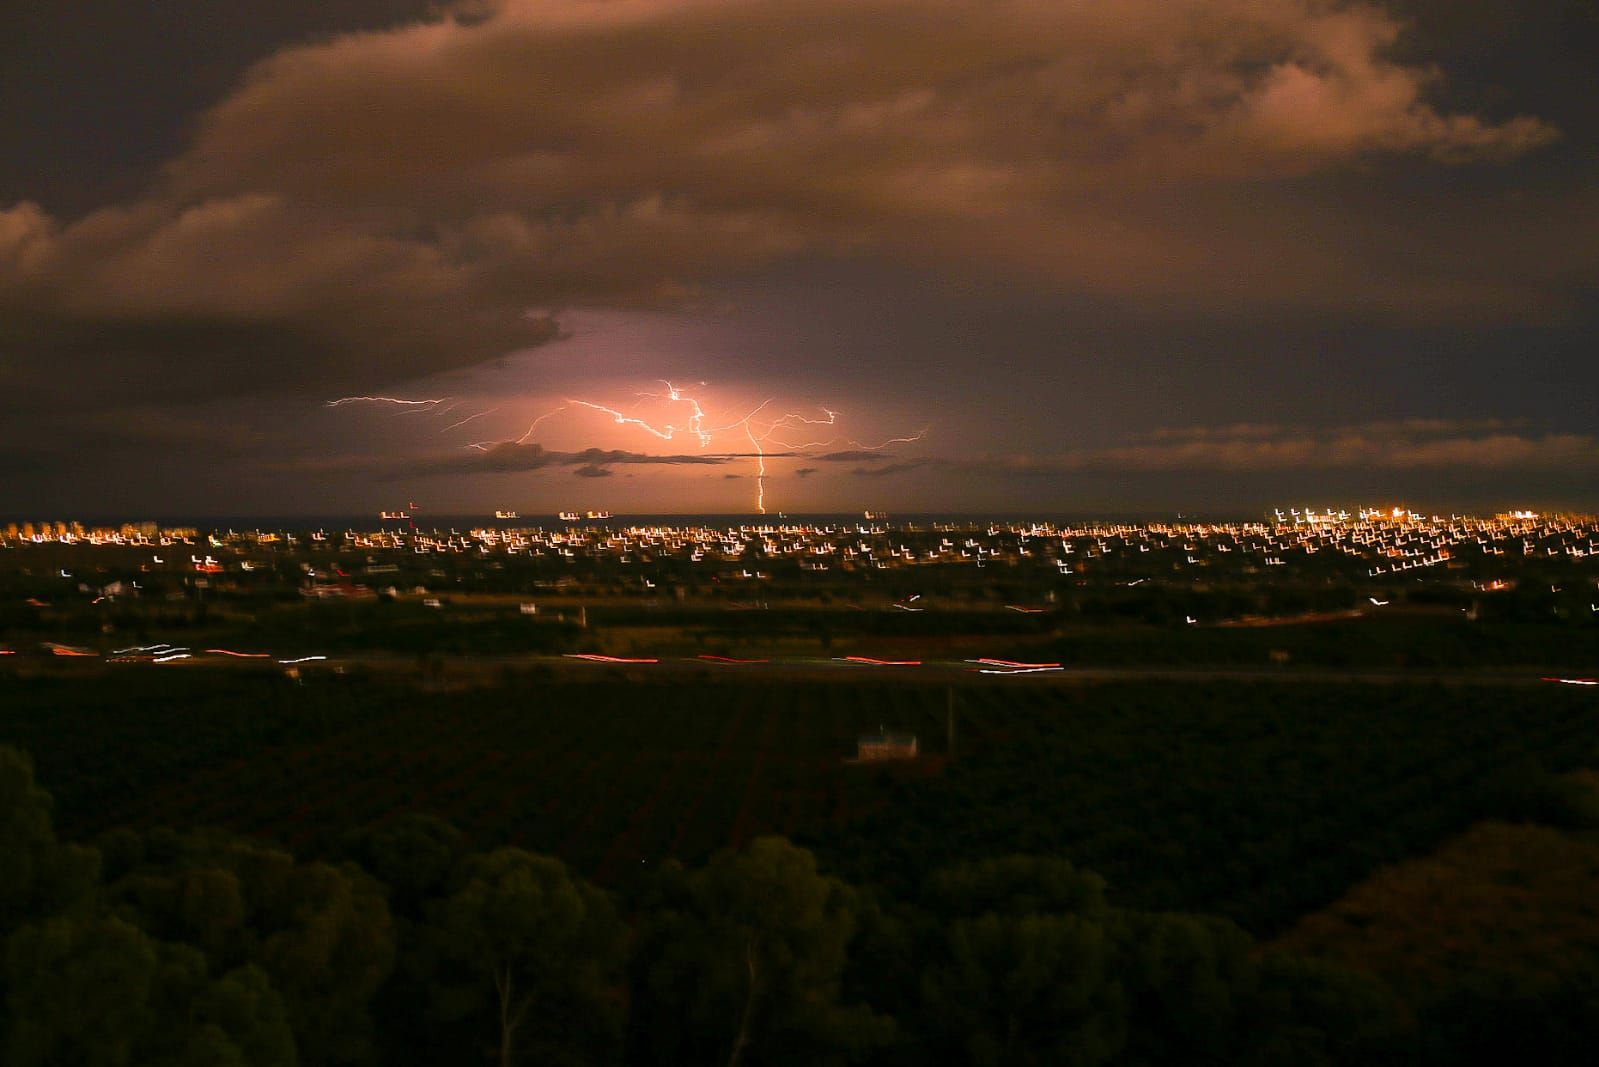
(602, 773)
(1256, 801)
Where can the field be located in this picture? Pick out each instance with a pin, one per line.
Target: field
(1260, 801)
(602, 773)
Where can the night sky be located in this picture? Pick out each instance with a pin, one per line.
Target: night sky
(924, 255)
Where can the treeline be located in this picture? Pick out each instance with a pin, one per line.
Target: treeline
(1260, 803)
(166, 947)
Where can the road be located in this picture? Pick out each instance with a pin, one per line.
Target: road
(790, 668)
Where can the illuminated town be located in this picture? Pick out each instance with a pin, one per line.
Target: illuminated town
(1299, 567)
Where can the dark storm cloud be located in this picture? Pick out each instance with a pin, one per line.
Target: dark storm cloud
(382, 205)
(909, 465)
(1399, 445)
(593, 471)
(862, 455)
(508, 456)
(1318, 210)
(805, 472)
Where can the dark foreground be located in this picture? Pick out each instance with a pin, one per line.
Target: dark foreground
(530, 867)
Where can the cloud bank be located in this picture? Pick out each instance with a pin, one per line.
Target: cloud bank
(1396, 446)
(391, 204)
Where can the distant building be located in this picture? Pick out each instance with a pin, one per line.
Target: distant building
(870, 748)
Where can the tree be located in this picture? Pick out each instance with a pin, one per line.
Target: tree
(39, 876)
(415, 856)
(1016, 885)
(1034, 989)
(525, 948)
(1190, 983)
(101, 993)
(1021, 967)
(322, 934)
(1315, 1012)
(744, 961)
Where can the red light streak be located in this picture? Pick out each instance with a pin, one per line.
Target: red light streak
(870, 662)
(595, 657)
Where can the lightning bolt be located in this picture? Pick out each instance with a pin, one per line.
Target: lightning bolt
(761, 430)
(758, 430)
(535, 425)
(468, 419)
(620, 419)
(917, 436)
(399, 402)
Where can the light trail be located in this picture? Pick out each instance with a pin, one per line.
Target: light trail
(1572, 681)
(595, 657)
(1015, 664)
(301, 659)
(729, 659)
(870, 662)
(239, 655)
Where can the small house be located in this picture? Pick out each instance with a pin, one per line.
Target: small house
(870, 748)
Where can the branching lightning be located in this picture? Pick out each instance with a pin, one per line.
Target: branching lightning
(469, 418)
(762, 429)
(535, 425)
(397, 401)
(917, 436)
